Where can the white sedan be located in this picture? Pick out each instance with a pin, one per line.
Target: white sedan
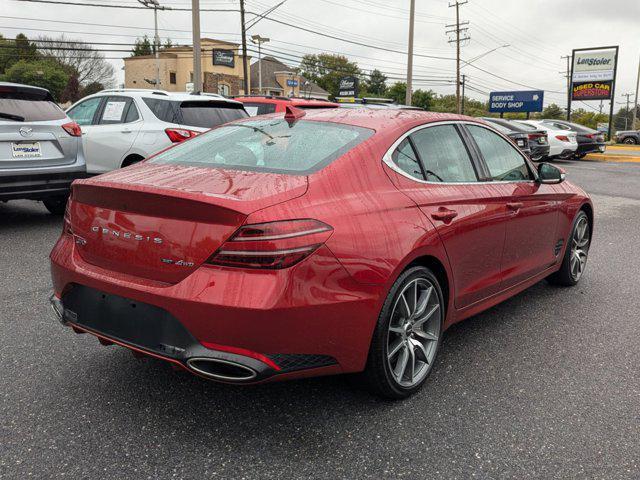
(563, 143)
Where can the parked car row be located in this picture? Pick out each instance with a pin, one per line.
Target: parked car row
(43, 149)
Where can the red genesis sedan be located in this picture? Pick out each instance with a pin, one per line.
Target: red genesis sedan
(314, 243)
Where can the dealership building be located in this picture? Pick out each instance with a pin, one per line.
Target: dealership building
(222, 72)
(221, 69)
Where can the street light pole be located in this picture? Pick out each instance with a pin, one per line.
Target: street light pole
(635, 105)
(258, 40)
(156, 38)
(412, 13)
(197, 53)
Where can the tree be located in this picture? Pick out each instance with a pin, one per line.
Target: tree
(423, 99)
(398, 92)
(78, 59)
(589, 119)
(326, 70)
(376, 84)
(142, 46)
(71, 92)
(92, 88)
(623, 118)
(40, 73)
(14, 50)
(553, 111)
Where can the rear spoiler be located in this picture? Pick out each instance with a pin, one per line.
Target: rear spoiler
(25, 92)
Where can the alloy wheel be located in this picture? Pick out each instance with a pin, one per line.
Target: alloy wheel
(579, 247)
(414, 330)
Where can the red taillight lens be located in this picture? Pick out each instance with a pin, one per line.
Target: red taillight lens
(177, 135)
(562, 138)
(73, 129)
(272, 245)
(590, 135)
(66, 222)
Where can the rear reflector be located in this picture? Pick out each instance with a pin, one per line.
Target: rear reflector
(272, 245)
(177, 135)
(73, 129)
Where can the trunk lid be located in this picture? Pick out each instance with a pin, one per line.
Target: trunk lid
(160, 222)
(36, 144)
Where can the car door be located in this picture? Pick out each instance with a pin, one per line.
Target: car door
(437, 171)
(531, 230)
(85, 114)
(112, 136)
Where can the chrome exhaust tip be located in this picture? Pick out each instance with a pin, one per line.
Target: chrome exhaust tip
(223, 370)
(57, 307)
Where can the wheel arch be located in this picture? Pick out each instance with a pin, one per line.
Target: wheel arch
(131, 159)
(437, 267)
(588, 209)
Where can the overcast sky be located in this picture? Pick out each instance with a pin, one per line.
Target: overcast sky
(538, 33)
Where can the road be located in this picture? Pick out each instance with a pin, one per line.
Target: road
(545, 385)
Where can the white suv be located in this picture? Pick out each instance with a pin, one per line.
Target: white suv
(123, 126)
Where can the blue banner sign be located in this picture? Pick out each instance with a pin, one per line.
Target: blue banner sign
(292, 83)
(522, 101)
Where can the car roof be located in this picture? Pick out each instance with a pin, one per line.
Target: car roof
(377, 119)
(288, 100)
(164, 95)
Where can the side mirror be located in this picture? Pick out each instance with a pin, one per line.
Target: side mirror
(548, 173)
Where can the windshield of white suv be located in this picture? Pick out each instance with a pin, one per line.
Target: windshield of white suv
(271, 145)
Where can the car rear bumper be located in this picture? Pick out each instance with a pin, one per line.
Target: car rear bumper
(590, 147)
(38, 186)
(539, 151)
(261, 326)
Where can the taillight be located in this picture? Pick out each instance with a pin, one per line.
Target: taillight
(539, 137)
(177, 135)
(272, 245)
(590, 135)
(562, 138)
(73, 129)
(66, 221)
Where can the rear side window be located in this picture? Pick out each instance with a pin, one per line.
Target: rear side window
(209, 114)
(504, 161)
(22, 106)
(444, 155)
(268, 146)
(195, 114)
(405, 158)
(254, 108)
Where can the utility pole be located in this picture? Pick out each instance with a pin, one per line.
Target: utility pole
(244, 49)
(568, 77)
(635, 104)
(258, 40)
(626, 117)
(460, 28)
(197, 53)
(156, 38)
(464, 81)
(412, 13)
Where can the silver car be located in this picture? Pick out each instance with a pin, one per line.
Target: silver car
(40, 147)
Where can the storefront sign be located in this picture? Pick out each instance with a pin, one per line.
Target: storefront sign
(348, 87)
(226, 58)
(292, 83)
(591, 90)
(593, 74)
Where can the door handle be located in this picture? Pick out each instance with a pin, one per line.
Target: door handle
(515, 206)
(444, 215)
(126, 130)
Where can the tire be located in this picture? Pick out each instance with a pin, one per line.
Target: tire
(405, 371)
(56, 205)
(629, 141)
(579, 156)
(573, 264)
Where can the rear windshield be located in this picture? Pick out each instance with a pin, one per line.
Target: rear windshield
(270, 145)
(195, 113)
(28, 107)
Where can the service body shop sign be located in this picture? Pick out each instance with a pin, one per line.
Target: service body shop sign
(226, 58)
(593, 72)
(522, 101)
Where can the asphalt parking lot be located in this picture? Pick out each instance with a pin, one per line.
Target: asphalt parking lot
(546, 385)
